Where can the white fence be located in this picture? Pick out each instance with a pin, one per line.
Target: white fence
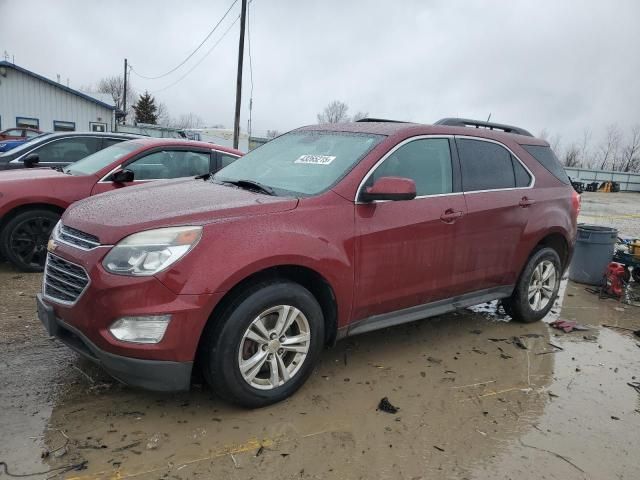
(628, 181)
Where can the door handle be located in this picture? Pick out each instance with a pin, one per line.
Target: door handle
(450, 215)
(526, 202)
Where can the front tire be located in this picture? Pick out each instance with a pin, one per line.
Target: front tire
(265, 344)
(23, 240)
(537, 287)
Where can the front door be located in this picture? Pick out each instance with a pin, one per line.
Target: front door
(405, 249)
(163, 164)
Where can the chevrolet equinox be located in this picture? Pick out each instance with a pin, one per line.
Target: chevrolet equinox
(324, 232)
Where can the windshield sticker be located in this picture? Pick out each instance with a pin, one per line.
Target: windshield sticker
(315, 159)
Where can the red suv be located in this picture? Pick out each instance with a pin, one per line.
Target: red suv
(324, 232)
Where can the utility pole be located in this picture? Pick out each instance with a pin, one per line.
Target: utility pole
(236, 124)
(124, 94)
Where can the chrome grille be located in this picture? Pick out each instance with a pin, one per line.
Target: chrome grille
(75, 237)
(64, 281)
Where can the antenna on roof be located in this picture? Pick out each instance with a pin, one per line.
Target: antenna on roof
(489, 117)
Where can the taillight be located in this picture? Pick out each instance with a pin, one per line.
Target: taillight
(575, 200)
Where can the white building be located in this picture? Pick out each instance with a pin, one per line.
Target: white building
(31, 100)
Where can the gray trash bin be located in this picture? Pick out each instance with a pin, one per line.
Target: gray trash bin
(593, 253)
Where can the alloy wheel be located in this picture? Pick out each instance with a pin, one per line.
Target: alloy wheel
(542, 286)
(274, 347)
(28, 240)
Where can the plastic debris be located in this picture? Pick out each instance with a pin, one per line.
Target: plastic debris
(568, 326)
(386, 406)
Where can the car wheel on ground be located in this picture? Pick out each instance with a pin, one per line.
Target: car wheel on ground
(265, 344)
(23, 240)
(537, 287)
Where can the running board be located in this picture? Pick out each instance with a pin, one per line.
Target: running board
(432, 309)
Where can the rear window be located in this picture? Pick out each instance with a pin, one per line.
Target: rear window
(548, 160)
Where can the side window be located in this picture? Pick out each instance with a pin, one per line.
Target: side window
(523, 179)
(427, 162)
(170, 164)
(31, 133)
(14, 133)
(68, 150)
(226, 159)
(485, 165)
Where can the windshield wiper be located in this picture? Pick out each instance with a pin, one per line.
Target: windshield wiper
(251, 185)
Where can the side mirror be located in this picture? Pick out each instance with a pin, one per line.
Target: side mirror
(390, 188)
(122, 176)
(31, 160)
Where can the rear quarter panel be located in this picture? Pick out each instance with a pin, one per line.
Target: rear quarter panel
(551, 213)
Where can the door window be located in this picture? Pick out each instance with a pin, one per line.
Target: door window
(14, 133)
(523, 179)
(31, 133)
(427, 162)
(485, 165)
(67, 150)
(170, 164)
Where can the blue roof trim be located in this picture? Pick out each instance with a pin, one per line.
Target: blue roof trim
(56, 84)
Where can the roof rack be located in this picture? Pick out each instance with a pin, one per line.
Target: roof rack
(380, 120)
(465, 122)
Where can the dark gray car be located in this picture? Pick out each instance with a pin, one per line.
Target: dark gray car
(59, 149)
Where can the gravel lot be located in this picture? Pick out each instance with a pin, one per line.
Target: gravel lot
(472, 403)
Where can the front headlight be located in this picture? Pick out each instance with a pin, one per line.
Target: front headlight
(150, 252)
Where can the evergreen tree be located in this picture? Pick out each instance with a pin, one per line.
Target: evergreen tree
(146, 109)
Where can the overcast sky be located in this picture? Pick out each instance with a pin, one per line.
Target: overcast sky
(558, 65)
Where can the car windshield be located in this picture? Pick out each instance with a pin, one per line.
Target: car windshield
(301, 162)
(94, 163)
(26, 145)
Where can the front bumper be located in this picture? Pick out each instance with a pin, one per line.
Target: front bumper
(158, 375)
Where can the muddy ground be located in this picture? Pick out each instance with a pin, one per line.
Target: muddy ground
(472, 403)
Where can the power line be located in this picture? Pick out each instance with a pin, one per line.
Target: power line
(193, 52)
(199, 61)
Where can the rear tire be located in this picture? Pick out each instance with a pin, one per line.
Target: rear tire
(537, 287)
(245, 346)
(24, 238)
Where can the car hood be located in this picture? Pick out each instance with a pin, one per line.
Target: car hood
(114, 215)
(30, 174)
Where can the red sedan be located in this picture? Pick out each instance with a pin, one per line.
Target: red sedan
(19, 133)
(32, 200)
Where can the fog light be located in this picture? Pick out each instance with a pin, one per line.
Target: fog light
(148, 329)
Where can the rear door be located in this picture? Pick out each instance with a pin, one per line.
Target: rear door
(405, 249)
(498, 194)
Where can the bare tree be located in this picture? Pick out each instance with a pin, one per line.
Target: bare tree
(188, 120)
(272, 134)
(572, 156)
(114, 86)
(359, 116)
(631, 152)
(554, 141)
(609, 147)
(162, 112)
(584, 148)
(335, 112)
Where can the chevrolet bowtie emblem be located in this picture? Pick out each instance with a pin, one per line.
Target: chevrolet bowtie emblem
(52, 245)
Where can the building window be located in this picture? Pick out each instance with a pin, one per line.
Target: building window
(25, 122)
(97, 127)
(59, 126)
